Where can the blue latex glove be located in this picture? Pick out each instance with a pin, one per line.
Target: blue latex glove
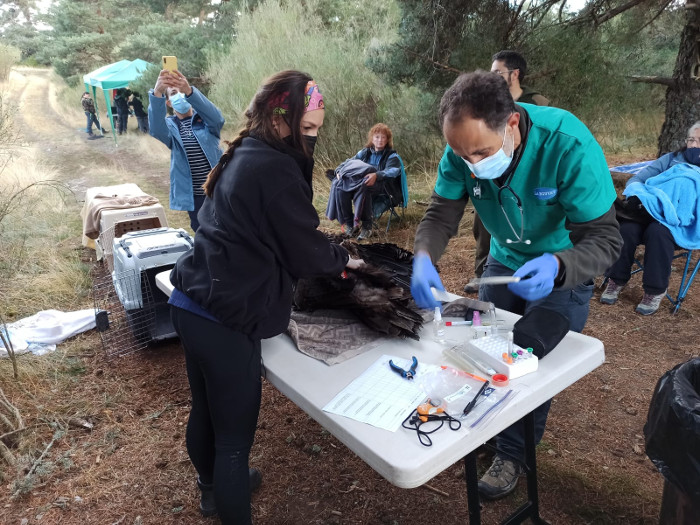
(424, 276)
(537, 277)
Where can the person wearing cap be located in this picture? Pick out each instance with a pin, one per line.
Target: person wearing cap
(257, 235)
(539, 181)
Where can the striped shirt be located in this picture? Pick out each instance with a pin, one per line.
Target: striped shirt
(199, 165)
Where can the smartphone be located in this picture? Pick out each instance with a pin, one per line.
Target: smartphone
(170, 63)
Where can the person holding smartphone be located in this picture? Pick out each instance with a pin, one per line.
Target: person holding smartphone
(257, 235)
(192, 134)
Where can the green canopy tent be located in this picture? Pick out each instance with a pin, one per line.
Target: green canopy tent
(111, 77)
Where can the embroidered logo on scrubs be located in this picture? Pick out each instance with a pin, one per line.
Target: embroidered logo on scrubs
(544, 194)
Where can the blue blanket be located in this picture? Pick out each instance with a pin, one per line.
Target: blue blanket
(673, 199)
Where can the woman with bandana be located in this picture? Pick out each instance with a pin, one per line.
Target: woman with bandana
(257, 235)
(192, 135)
(642, 228)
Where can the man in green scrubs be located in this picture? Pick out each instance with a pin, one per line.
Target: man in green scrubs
(540, 183)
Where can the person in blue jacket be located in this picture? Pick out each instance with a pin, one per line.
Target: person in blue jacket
(192, 134)
(656, 237)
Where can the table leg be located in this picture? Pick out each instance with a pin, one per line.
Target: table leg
(531, 509)
(470, 476)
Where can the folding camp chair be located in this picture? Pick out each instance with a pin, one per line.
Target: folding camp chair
(394, 194)
(686, 279)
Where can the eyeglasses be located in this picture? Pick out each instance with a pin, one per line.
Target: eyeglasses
(514, 197)
(692, 140)
(502, 73)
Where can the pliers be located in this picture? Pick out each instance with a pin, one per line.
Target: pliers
(406, 374)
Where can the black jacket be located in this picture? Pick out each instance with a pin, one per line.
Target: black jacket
(257, 235)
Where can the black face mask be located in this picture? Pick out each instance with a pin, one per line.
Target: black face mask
(309, 139)
(692, 156)
(306, 164)
(310, 143)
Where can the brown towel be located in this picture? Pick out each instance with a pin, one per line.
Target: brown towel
(331, 336)
(93, 209)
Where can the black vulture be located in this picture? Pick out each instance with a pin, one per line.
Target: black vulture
(378, 293)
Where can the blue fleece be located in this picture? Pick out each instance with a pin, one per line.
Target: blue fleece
(673, 199)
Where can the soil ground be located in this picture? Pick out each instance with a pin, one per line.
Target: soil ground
(132, 467)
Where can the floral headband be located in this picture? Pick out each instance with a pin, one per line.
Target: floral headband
(312, 100)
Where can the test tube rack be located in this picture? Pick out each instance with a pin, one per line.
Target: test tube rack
(489, 352)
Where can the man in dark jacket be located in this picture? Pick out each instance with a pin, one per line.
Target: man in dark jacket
(512, 66)
(139, 113)
(121, 101)
(91, 114)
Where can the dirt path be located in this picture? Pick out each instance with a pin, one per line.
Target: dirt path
(57, 133)
(133, 468)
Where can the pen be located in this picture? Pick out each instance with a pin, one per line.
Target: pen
(472, 403)
(457, 323)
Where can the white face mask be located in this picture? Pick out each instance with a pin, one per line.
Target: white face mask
(494, 166)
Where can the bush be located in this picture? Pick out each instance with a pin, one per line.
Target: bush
(9, 56)
(288, 35)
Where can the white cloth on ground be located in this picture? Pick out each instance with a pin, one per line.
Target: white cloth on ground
(41, 332)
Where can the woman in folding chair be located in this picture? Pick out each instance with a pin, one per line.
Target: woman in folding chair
(660, 211)
(357, 179)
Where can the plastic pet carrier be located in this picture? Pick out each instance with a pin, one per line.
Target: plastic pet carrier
(131, 312)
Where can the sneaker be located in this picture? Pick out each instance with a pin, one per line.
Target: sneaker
(207, 505)
(611, 293)
(364, 234)
(500, 479)
(650, 303)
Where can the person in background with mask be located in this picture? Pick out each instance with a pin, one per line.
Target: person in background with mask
(257, 235)
(656, 236)
(192, 134)
(540, 183)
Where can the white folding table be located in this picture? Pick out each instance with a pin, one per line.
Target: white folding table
(398, 456)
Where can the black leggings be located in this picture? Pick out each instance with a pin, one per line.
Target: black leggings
(223, 368)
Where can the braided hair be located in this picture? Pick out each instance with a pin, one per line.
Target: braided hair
(259, 119)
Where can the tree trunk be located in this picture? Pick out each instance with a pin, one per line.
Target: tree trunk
(683, 97)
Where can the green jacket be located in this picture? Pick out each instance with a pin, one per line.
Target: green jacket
(566, 193)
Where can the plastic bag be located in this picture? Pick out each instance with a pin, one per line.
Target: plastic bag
(452, 390)
(672, 430)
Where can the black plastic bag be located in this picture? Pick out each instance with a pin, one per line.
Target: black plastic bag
(672, 430)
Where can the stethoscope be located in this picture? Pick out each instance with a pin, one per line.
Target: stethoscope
(518, 203)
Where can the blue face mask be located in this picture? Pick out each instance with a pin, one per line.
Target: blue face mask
(491, 167)
(179, 103)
